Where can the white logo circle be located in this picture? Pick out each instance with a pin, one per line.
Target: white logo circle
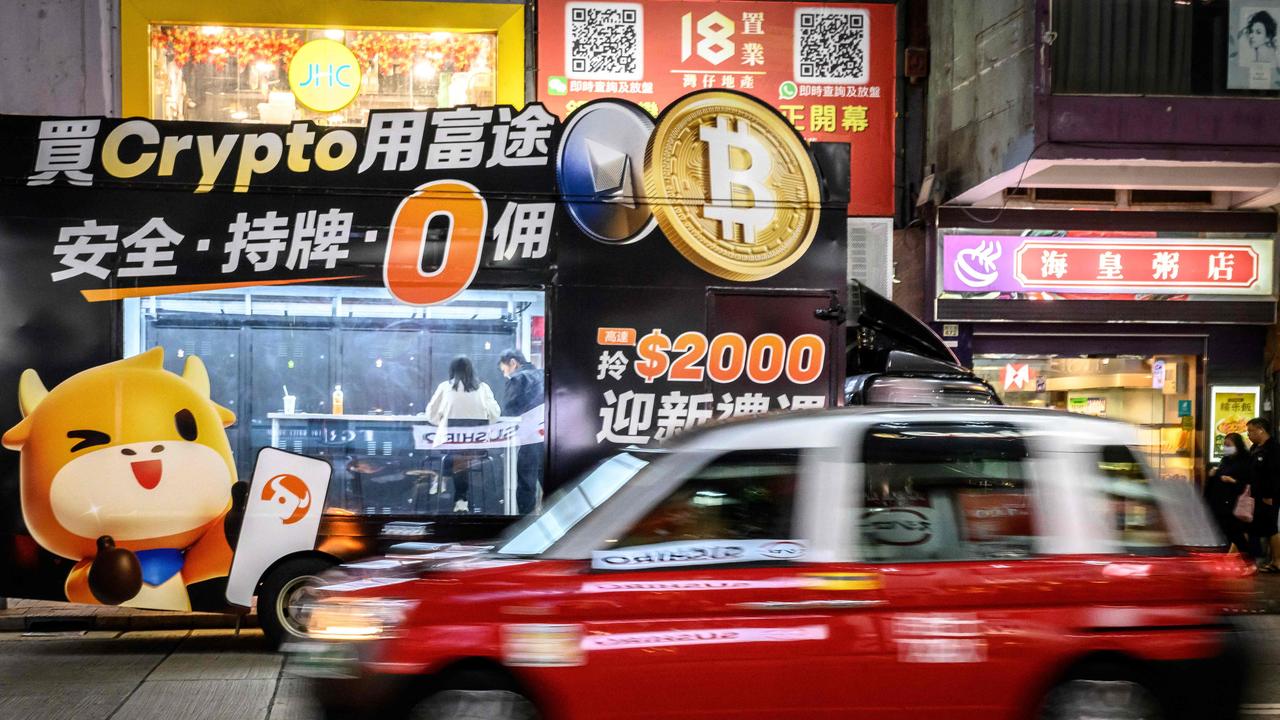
(976, 266)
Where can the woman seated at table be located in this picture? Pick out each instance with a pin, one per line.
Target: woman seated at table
(460, 401)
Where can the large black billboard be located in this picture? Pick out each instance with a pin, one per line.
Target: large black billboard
(685, 260)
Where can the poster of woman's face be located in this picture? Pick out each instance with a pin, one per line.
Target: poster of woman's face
(1254, 63)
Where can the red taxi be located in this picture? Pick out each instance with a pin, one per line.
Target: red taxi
(986, 563)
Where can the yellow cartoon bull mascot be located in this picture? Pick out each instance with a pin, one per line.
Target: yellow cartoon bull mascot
(126, 469)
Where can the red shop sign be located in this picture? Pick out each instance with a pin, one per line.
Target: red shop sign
(828, 68)
(1146, 264)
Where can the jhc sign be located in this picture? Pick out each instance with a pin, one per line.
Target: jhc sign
(324, 75)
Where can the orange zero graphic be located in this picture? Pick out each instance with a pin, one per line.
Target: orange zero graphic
(466, 212)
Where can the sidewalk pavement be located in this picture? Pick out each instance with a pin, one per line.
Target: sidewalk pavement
(1267, 593)
(47, 616)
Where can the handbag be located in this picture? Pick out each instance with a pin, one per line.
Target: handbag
(1244, 506)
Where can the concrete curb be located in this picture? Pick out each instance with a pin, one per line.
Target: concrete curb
(37, 619)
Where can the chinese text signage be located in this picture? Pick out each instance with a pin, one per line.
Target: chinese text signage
(428, 203)
(828, 68)
(1097, 265)
(411, 166)
(667, 382)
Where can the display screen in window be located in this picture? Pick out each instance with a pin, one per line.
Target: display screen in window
(240, 74)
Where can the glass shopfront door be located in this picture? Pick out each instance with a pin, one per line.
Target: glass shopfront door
(1157, 393)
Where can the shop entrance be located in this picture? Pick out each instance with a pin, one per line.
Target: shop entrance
(1156, 393)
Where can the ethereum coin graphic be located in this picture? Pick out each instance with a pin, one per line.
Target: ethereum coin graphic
(598, 171)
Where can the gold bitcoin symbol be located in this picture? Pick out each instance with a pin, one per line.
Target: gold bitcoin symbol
(652, 351)
(732, 186)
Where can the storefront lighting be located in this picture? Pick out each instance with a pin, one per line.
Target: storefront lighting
(211, 30)
(424, 70)
(239, 115)
(263, 67)
(218, 51)
(440, 36)
(377, 363)
(334, 34)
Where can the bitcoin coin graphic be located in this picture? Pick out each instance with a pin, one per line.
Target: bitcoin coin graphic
(731, 185)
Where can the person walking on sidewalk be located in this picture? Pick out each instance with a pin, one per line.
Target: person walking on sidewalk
(1265, 485)
(1222, 490)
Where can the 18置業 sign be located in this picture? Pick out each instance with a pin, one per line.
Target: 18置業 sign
(829, 69)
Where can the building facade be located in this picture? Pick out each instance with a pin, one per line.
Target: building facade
(1101, 217)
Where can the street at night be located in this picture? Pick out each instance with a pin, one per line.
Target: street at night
(640, 360)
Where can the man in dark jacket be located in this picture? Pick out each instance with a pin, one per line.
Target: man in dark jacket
(524, 392)
(1265, 482)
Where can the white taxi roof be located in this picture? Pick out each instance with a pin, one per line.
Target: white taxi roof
(827, 428)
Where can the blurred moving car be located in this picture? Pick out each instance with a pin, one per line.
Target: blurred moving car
(982, 563)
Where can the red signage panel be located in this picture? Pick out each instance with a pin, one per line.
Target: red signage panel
(1057, 264)
(828, 68)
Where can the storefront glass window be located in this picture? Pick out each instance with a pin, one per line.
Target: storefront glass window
(1158, 394)
(346, 374)
(240, 74)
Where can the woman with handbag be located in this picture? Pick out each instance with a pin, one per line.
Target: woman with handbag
(1224, 489)
(462, 400)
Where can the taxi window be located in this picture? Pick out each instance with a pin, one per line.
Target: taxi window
(1132, 503)
(944, 492)
(746, 495)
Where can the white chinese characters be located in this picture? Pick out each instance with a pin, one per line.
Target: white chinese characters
(1221, 265)
(630, 417)
(1164, 266)
(524, 229)
(457, 139)
(81, 254)
(319, 238)
(1053, 264)
(66, 148)
(1109, 266)
(270, 242)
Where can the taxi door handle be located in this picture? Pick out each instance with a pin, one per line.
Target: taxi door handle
(778, 605)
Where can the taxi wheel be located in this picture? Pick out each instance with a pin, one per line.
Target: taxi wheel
(475, 705)
(277, 598)
(1084, 699)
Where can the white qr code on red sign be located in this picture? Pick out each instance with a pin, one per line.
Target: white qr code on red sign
(604, 41)
(832, 45)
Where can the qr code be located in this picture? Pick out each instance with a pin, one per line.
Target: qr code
(604, 41)
(831, 45)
